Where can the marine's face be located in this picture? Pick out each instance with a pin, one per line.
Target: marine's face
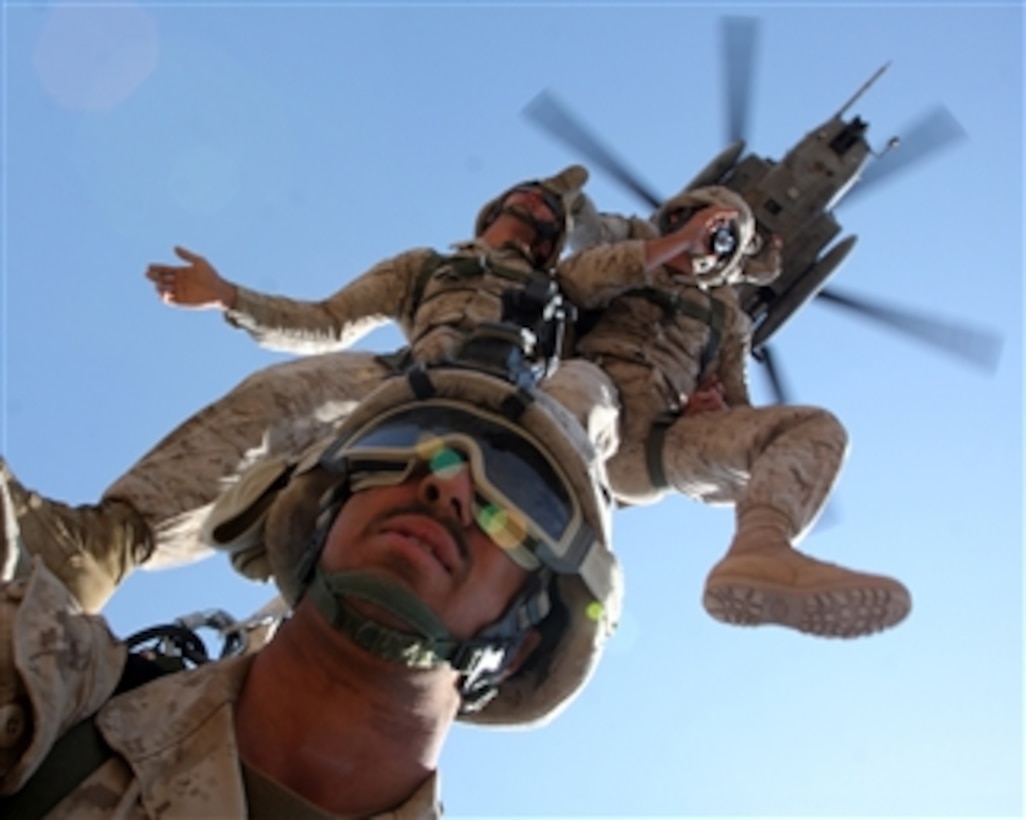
(718, 243)
(533, 202)
(422, 535)
(538, 215)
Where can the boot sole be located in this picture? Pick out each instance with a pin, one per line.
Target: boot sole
(846, 612)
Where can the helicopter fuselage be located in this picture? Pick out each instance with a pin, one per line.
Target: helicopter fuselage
(793, 199)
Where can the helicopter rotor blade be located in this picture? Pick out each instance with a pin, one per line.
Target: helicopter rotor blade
(547, 112)
(740, 40)
(976, 347)
(764, 355)
(931, 133)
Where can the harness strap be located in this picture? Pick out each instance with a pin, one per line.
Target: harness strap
(716, 317)
(78, 753)
(462, 267)
(673, 305)
(654, 445)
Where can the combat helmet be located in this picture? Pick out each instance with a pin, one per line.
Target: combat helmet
(574, 597)
(560, 191)
(728, 266)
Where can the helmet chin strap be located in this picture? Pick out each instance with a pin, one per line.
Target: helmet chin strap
(544, 231)
(480, 661)
(431, 646)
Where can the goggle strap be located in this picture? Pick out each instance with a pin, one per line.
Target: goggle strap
(512, 407)
(420, 382)
(576, 554)
(516, 404)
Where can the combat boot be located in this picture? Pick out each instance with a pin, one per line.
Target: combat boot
(91, 548)
(764, 579)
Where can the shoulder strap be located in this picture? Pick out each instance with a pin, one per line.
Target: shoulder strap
(432, 262)
(78, 753)
(672, 305)
(461, 266)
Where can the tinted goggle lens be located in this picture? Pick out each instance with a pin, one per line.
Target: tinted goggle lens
(521, 499)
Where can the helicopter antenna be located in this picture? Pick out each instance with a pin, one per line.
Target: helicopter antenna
(862, 90)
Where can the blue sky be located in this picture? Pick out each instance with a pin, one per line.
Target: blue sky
(296, 145)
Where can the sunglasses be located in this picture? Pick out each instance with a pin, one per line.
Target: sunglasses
(522, 498)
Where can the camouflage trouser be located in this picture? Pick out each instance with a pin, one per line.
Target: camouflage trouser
(587, 392)
(784, 457)
(281, 409)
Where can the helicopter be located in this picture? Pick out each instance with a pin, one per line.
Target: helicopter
(794, 199)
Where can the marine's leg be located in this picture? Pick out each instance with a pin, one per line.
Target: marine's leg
(633, 476)
(777, 465)
(91, 547)
(590, 395)
(281, 409)
(151, 516)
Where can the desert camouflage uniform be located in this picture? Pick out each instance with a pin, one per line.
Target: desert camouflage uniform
(661, 337)
(174, 738)
(786, 457)
(286, 407)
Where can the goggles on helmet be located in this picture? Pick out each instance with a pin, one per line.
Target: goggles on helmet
(522, 498)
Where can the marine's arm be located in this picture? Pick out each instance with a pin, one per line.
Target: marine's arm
(294, 325)
(57, 666)
(593, 276)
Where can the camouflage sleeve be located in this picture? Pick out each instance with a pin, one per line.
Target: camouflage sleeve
(57, 666)
(336, 323)
(593, 277)
(734, 350)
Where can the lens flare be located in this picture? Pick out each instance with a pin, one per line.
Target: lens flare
(505, 527)
(595, 611)
(443, 461)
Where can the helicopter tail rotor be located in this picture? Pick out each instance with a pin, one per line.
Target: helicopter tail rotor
(936, 130)
(739, 43)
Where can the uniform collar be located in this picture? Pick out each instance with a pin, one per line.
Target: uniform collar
(150, 726)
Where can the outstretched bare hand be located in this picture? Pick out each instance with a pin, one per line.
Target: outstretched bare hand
(698, 230)
(196, 285)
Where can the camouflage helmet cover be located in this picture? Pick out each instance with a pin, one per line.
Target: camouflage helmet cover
(566, 185)
(592, 598)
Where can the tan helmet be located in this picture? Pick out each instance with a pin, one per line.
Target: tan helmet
(565, 187)
(730, 270)
(284, 519)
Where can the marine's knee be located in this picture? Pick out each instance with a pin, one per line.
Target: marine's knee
(828, 430)
(631, 478)
(590, 396)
